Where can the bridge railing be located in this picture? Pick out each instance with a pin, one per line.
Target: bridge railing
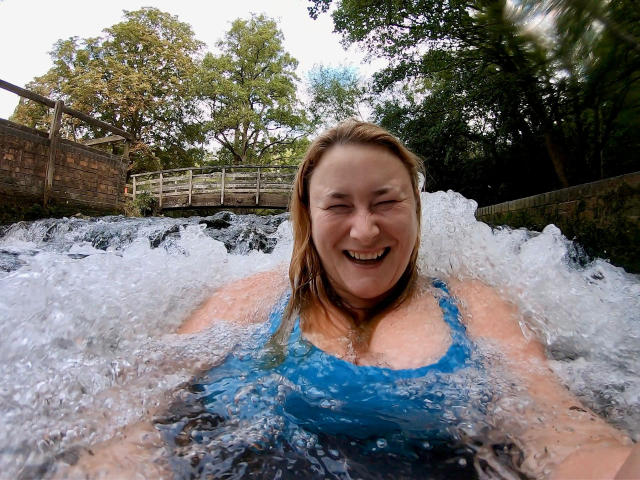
(229, 185)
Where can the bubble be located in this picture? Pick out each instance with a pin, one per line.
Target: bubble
(381, 443)
(89, 306)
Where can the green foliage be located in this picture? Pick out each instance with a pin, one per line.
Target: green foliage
(145, 75)
(249, 95)
(496, 108)
(336, 94)
(144, 205)
(137, 77)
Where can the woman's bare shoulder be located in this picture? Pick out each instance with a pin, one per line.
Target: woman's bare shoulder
(487, 314)
(248, 300)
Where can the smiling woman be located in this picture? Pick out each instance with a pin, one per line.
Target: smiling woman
(389, 372)
(356, 297)
(364, 231)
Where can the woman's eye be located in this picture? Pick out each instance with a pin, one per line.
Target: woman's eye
(385, 204)
(338, 208)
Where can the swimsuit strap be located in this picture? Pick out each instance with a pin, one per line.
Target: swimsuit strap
(459, 351)
(450, 312)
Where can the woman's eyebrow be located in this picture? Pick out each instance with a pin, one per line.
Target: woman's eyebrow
(338, 195)
(341, 196)
(381, 191)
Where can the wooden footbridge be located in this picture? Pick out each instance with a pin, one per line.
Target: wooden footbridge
(254, 186)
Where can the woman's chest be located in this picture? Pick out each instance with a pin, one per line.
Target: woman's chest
(410, 339)
(406, 338)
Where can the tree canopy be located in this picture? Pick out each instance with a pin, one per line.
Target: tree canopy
(497, 108)
(249, 95)
(336, 94)
(135, 77)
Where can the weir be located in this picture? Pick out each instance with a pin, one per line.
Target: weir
(90, 306)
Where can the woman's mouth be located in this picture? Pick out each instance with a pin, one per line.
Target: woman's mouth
(367, 258)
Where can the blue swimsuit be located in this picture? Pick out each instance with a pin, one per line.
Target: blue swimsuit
(247, 411)
(337, 397)
(323, 394)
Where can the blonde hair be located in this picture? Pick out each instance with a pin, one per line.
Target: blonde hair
(309, 283)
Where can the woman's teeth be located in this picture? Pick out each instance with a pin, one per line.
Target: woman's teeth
(366, 256)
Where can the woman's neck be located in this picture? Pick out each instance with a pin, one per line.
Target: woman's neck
(335, 332)
(332, 323)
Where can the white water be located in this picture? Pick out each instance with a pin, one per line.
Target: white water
(87, 308)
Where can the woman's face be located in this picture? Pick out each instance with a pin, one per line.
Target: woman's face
(363, 220)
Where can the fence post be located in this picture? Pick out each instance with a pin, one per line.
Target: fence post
(190, 185)
(258, 188)
(135, 187)
(160, 193)
(54, 140)
(222, 190)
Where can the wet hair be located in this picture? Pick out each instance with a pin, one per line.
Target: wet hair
(309, 282)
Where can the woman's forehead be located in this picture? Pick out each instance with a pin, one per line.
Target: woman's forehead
(352, 165)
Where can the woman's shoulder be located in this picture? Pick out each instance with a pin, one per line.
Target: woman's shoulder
(247, 300)
(489, 314)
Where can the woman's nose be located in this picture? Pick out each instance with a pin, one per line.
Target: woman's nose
(364, 228)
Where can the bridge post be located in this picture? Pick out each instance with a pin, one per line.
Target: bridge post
(222, 189)
(160, 192)
(190, 184)
(135, 185)
(54, 139)
(258, 188)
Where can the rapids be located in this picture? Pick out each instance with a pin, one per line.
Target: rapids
(88, 307)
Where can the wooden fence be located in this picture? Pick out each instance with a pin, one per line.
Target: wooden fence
(230, 185)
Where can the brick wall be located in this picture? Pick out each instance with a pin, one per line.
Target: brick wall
(603, 216)
(84, 179)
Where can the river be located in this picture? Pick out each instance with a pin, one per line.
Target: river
(88, 307)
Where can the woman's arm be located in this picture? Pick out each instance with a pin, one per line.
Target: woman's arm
(578, 443)
(245, 301)
(138, 450)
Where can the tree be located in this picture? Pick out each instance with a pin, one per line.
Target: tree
(248, 92)
(136, 77)
(336, 94)
(478, 62)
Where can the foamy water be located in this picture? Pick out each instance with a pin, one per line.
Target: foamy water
(88, 307)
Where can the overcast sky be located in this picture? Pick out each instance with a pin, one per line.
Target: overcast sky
(29, 28)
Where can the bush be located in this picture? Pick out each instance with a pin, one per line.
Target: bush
(144, 205)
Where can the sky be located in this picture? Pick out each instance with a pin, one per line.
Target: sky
(29, 28)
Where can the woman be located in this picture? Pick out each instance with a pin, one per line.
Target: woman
(365, 354)
(355, 295)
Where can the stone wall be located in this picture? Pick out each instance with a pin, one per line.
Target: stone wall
(85, 179)
(603, 216)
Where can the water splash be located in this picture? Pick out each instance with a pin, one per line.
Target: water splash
(87, 308)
